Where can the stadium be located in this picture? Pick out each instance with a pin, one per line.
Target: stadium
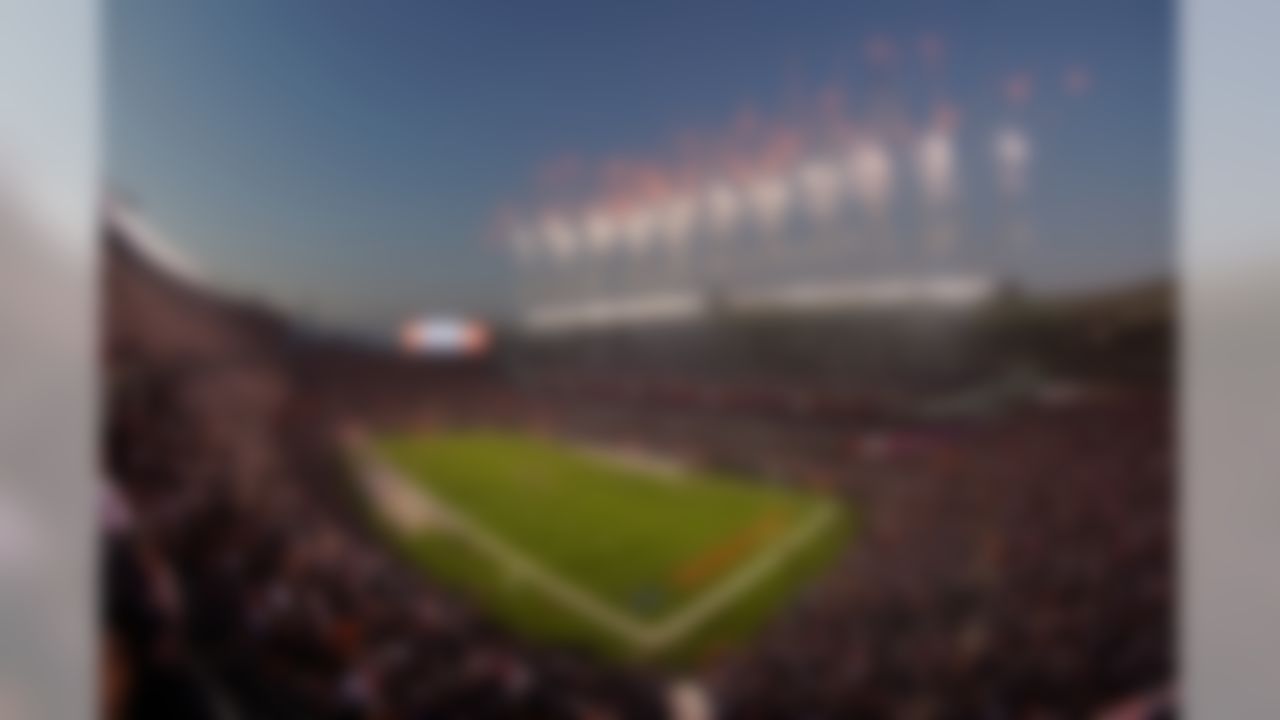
(779, 424)
(511, 533)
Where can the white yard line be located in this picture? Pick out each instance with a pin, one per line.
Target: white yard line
(405, 508)
(567, 593)
(644, 636)
(747, 575)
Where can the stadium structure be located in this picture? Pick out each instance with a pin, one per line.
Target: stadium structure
(926, 496)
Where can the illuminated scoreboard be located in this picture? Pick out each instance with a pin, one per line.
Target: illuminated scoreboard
(446, 337)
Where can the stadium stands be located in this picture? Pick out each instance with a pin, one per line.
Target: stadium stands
(1014, 560)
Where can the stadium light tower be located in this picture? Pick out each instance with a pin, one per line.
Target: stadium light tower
(935, 161)
(676, 220)
(723, 208)
(1012, 152)
(562, 243)
(871, 180)
(638, 229)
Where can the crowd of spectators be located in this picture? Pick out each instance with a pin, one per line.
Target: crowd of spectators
(239, 578)
(1014, 565)
(1019, 568)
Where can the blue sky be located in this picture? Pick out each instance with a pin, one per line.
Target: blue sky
(349, 159)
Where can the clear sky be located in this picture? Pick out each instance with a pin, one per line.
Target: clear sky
(351, 159)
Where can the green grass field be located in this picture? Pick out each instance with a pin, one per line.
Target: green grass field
(584, 550)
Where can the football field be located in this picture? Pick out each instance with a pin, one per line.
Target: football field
(587, 549)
